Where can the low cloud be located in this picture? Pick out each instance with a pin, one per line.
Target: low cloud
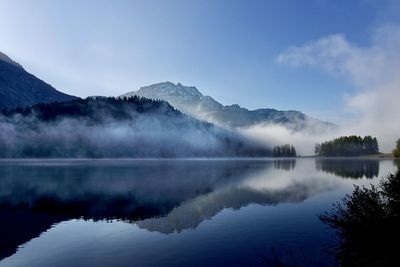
(158, 132)
(374, 71)
(275, 134)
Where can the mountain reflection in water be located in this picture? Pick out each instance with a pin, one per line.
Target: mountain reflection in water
(163, 196)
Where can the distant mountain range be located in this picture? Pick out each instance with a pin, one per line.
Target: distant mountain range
(190, 101)
(19, 88)
(54, 124)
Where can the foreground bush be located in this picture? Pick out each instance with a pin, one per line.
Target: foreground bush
(368, 225)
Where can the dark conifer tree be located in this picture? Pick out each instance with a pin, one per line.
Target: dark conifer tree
(396, 151)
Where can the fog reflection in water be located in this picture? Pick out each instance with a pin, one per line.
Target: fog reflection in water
(161, 196)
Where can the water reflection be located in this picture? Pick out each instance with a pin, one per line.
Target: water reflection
(285, 164)
(189, 214)
(162, 196)
(349, 168)
(171, 195)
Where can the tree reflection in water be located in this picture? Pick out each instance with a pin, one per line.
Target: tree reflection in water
(285, 164)
(346, 168)
(367, 223)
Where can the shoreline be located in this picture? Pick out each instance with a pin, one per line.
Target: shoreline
(385, 156)
(372, 157)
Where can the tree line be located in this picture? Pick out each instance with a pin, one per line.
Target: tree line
(96, 108)
(284, 151)
(348, 146)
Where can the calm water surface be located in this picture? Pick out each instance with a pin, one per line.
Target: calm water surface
(173, 212)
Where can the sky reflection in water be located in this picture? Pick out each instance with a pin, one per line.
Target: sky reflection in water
(171, 212)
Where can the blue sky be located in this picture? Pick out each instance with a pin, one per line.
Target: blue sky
(227, 49)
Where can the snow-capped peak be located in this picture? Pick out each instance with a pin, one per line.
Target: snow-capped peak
(169, 91)
(174, 90)
(190, 101)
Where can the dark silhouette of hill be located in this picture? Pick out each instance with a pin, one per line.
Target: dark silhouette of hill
(19, 88)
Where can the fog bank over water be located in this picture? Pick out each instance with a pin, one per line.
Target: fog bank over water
(304, 140)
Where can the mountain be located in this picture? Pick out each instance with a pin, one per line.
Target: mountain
(190, 101)
(20, 88)
(113, 128)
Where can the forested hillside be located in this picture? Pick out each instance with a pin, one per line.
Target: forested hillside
(114, 127)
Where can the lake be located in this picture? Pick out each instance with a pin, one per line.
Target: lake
(186, 212)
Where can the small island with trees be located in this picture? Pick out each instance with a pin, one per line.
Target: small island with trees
(287, 151)
(348, 146)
